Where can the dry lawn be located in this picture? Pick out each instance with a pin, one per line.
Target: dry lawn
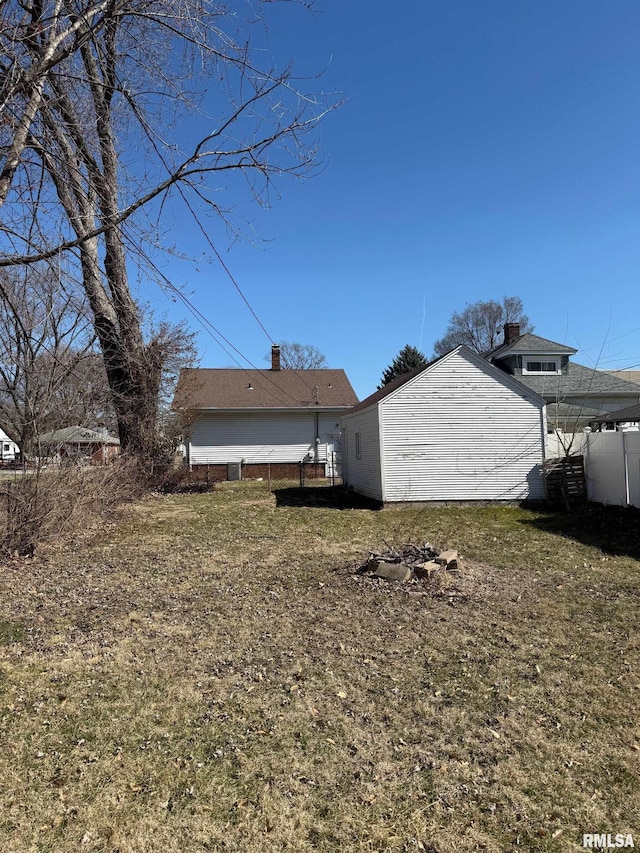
(210, 674)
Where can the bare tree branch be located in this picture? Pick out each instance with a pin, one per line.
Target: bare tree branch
(83, 84)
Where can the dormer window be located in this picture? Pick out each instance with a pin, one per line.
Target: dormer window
(538, 366)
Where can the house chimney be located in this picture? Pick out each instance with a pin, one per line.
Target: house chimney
(275, 357)
(511, 332)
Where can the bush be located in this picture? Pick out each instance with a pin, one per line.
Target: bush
(58, 502)
(177, 478)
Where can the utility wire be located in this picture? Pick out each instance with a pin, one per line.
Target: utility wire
(214, 331)
(233, 281)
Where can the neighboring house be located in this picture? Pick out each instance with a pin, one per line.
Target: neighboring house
(628, 418)
(459, 429)
(249, 423)
(9, 450)
(79, 443)
(575, 394)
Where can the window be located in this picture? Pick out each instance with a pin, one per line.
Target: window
(7, 448)
(541, 367)
(357, 438)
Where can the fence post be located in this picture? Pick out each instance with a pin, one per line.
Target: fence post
(10, 512)
(625, 464)
(587, 461)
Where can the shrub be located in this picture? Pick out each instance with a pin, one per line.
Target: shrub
(58, 502)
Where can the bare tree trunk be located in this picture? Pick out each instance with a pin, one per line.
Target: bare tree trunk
(132, 369)
(120, 53)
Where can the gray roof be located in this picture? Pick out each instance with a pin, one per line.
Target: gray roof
(628, 375)
(235, 388)
(571, 417)
(579, 381)
(621, 416)
(77, 435)
(529, 344)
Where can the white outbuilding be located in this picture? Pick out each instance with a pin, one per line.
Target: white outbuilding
(459, 429)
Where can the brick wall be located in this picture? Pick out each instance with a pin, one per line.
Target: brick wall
(279, 471)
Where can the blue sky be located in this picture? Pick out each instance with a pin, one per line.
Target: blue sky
(486, 148)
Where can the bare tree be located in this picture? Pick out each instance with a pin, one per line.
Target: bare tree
(294, 356)
(121, 82)
(83, 397)
(480, 325)
(35, 38)
(46, 340)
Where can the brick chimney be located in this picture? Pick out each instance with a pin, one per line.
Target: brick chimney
(275, 357)
(511, 332)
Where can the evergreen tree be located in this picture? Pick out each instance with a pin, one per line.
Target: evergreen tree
(409, 358)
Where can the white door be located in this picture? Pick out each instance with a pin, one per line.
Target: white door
(334, 455)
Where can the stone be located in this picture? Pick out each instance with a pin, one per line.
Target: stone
(393, 571)
(447, 557)
(425, 570)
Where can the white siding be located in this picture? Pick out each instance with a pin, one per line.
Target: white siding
(612, 463)
(363, 474)
(8, 449)
(328, 425)
(222, 437)
(564, 444)
(459, 431)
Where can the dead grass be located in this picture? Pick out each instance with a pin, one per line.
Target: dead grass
(209, 674)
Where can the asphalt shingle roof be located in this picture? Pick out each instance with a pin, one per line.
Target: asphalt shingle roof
(529, 344)
(579, 381)
(221, 388)
(77, 435)
(628, 414)
(627, 375)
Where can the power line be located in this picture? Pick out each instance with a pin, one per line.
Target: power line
(213, 331)
(222, 263)
(233, 281)
(150, 136)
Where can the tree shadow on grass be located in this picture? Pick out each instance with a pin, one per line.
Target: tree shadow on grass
(323, 497)
(614, 530)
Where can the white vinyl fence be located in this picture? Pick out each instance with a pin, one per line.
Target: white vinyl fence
(612, 465)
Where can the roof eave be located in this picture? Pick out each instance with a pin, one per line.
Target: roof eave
(313, 407)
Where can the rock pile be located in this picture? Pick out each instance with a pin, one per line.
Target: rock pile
(411, 562)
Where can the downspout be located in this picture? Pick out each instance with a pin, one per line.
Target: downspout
(316, 438)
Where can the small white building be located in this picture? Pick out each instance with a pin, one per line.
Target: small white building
(9, 450)
(460, 429)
